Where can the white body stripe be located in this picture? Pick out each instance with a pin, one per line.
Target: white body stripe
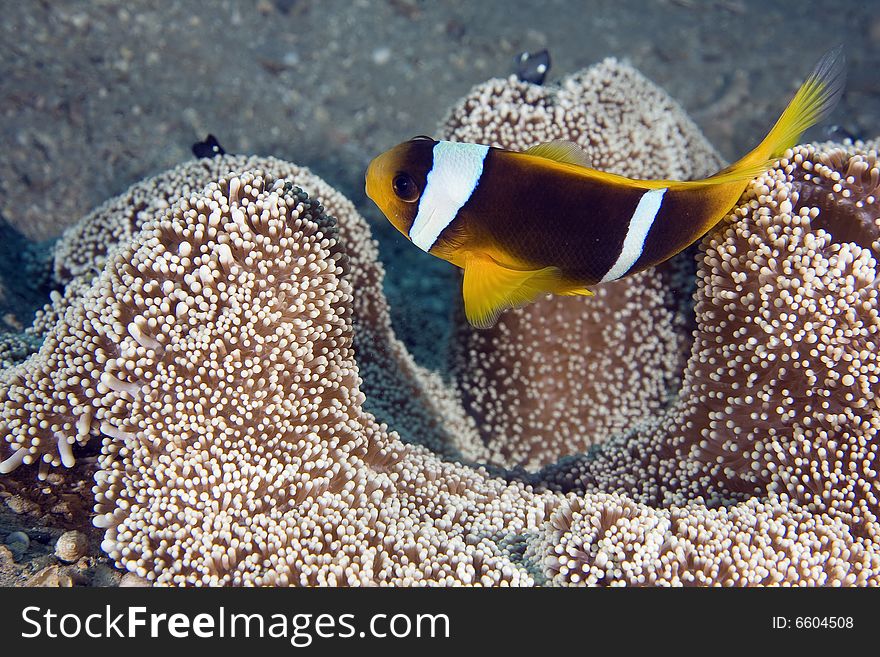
(451, 181)
(639, 225)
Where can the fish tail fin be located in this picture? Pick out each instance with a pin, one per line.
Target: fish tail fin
(812, 103)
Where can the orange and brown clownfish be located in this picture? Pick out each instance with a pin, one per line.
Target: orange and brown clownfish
(522, 224)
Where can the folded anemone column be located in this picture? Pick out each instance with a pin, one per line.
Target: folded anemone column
(779, 397)
(217, 358)
(778, 407)
(214, 356)
(87, 373)
(399, 391)
(236, 449)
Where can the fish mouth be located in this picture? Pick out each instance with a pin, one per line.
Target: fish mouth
(373, 178)
(368, 176)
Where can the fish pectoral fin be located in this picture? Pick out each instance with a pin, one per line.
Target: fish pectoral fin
(489, 288)
(561, 150)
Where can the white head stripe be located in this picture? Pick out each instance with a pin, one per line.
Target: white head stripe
(451, 181)
(639, 225)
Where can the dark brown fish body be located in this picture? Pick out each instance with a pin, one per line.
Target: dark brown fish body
(589, 214)
(525, 224)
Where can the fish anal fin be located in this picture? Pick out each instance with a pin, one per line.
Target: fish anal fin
(561, 150)
(575, 292)
(489, 287)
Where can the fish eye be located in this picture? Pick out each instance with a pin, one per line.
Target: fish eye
(405, 188)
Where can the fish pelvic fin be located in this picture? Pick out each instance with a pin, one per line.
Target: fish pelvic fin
(813, 102)
(489, 287)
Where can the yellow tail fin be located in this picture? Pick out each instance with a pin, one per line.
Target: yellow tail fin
(812, 103)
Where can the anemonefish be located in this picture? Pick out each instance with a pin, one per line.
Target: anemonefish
(522, 224)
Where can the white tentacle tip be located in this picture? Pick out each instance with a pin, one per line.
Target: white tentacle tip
(10, 464)
(65, 449)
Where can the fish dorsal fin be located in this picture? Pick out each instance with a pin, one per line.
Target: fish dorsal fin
(489, 287)
(561, 150)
